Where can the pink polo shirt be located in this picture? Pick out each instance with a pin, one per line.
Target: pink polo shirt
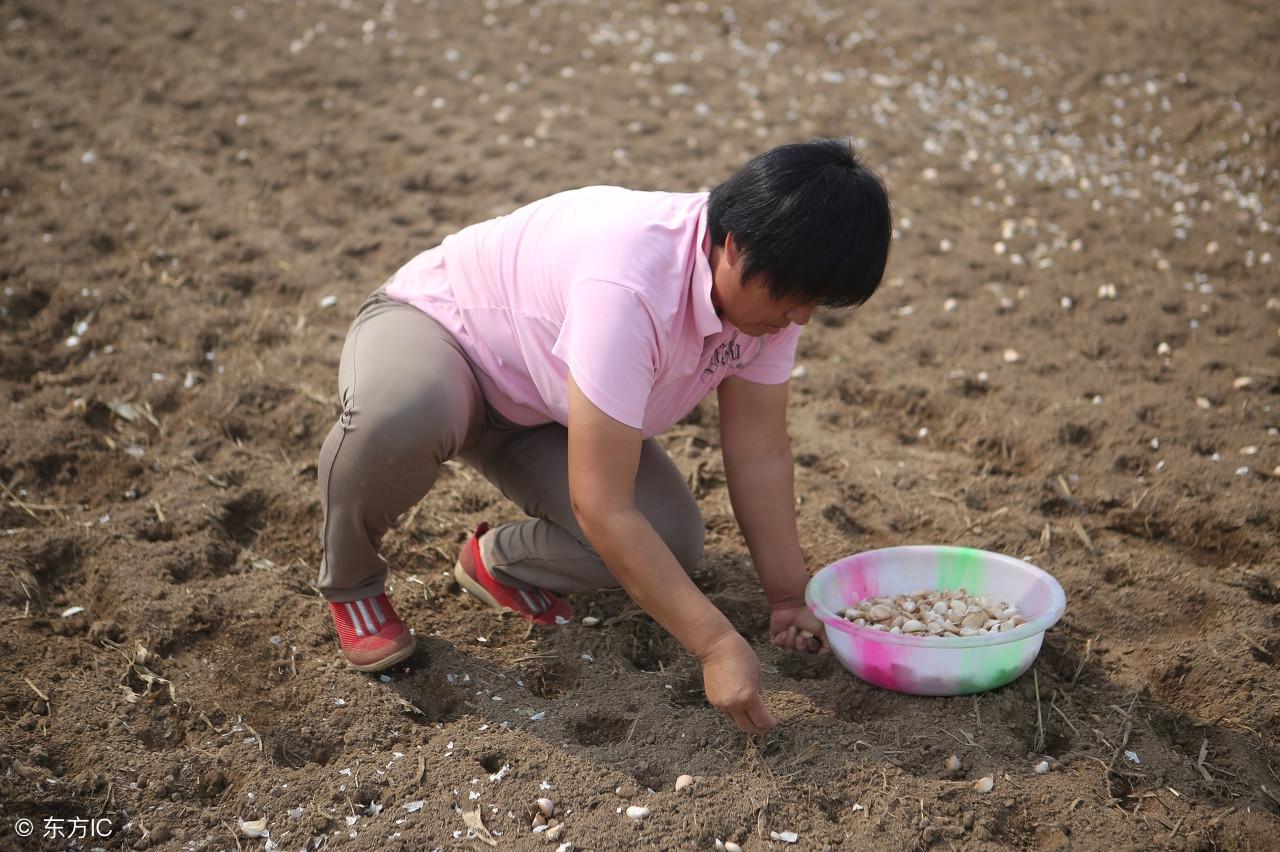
(609, 284)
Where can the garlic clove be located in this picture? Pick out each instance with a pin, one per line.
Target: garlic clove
(637, 812)
(952, 764)
(1042, 767)
(253, 828)
(547, 806)
(984, 785)
(684, 781)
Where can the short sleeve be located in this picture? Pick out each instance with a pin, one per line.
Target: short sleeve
(774, 363)
(610, 343)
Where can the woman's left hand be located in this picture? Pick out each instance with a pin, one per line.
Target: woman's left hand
(797, 629)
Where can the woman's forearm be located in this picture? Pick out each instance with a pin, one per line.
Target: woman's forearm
(650, 573)
(762, 491)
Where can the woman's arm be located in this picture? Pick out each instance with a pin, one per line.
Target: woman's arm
(761, 477)
(604, 456)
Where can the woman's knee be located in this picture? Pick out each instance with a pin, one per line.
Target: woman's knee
(685, 534)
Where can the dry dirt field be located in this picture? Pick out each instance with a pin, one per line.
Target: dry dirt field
(1074, 359)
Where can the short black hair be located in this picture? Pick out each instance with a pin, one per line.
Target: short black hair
(810, 218)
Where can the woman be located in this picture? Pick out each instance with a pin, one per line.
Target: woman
(547, 347)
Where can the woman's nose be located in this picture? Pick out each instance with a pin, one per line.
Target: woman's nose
(800, 314)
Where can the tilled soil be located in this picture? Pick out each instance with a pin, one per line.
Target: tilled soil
(196, 197)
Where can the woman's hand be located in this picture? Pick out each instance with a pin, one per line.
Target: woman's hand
(797, 629)
(731, 677)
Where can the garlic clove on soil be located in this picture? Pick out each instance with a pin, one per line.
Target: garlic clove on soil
(1042, 767)
(730, 846)
(637, 812)
(684, 781)
(952, 763)
(253, 828)
(555, 832)
(545, 805)
(984, 785)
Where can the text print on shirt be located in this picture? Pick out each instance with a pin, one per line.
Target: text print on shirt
(728, 354)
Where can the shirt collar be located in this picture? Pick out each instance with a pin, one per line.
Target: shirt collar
(705, 319)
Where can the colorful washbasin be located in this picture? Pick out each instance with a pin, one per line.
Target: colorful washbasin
(952, 665)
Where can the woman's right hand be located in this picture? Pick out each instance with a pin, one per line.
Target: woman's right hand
(731, 677)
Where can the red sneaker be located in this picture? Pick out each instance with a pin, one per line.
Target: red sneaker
(537, 605)
(372, 636)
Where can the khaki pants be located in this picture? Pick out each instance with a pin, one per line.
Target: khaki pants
(410, 402)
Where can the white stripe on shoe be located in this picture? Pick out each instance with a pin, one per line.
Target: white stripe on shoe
(377, 610)
(355, 619)
(533, 605)
(370, 624)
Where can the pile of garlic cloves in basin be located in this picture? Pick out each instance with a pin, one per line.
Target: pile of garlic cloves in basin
(935, 613)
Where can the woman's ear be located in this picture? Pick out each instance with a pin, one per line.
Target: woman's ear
(730, 250)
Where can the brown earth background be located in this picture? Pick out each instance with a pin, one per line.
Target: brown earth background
(197, 196)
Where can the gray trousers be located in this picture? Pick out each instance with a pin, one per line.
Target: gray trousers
(410, 402)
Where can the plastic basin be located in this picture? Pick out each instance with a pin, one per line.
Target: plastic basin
(953, 665)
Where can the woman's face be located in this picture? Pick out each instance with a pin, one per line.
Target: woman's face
(748, 305)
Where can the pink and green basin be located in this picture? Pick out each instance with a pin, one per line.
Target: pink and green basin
(935, 666)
